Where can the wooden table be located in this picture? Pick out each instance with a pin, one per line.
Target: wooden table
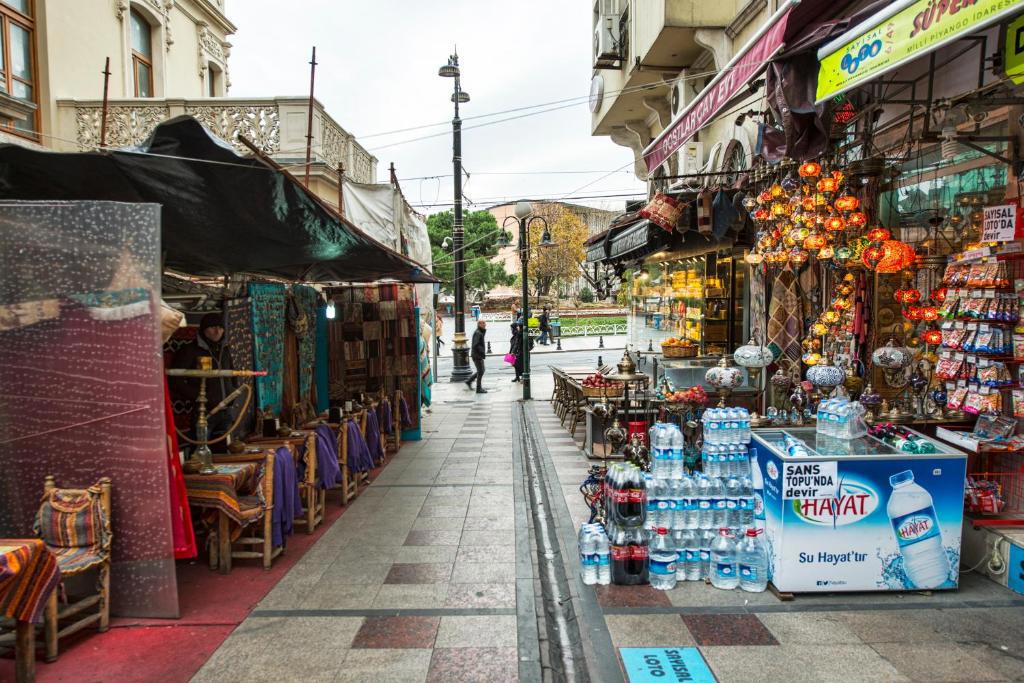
(221, 492)
(28, 575)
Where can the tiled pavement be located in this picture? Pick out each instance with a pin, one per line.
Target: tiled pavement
(405, 587)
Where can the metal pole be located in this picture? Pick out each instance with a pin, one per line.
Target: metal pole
(524, 246)
(460, 351)
(309, 119)
(103, 116)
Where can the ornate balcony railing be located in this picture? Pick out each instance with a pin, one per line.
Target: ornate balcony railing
(277, 126)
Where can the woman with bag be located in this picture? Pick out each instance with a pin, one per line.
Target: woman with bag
(515, 351)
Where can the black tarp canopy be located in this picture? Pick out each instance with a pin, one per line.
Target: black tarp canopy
(221, 213)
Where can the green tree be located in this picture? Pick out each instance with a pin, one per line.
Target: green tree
(480, 236)
(587, 295)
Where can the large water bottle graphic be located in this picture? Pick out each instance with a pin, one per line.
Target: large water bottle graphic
(916, 527)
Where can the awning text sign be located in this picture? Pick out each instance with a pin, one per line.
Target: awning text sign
(716, 95)
(1000, 223)
(916, 30)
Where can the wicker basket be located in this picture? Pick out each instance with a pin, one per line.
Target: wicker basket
(679, 351)
(598, 392)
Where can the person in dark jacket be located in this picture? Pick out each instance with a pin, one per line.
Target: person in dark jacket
(209, 342)
(516, 349)
(545, 328)
(478, 352)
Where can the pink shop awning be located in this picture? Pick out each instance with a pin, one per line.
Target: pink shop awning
(740, 70)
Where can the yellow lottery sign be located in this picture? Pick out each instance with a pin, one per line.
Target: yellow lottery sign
(900, 37)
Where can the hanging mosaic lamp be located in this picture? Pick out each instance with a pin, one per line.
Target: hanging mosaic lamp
(939, 295)
(857, 219)
(826, 253)
(835, 224)
(847, 203)
(828, 185)
(843, 254)
(907, 296)
(798, 256)
(878, 234)
(896, 256)
(814, 242)
(872, 256)
(754, 258)
(929, 313)
(933, 337)
(810, 169)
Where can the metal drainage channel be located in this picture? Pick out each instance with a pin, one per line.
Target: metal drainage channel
(566, 651)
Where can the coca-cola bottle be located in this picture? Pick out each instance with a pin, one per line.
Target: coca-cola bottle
(629, 556)
(627, 495)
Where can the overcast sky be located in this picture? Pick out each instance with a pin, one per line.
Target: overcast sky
(377, 73)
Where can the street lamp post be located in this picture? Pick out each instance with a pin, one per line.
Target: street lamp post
(460, 351)
(522, 214)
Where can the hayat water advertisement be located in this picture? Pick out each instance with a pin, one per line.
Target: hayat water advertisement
(863, 523)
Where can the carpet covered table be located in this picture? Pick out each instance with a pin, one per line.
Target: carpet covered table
(28, 574)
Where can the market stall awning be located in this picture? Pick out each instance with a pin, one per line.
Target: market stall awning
(637, 241)
(741, 69)
(221, 213)
(900, 33)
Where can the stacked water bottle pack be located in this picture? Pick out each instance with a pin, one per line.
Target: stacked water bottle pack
(668, 526)
(841, 419)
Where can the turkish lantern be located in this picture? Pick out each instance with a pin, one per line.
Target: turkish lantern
(828, 184)
(762, 214)
(819, 329)
(826, 253)
(830, 317)
(895, 256)
(843, 254)
(857, 219)
(807, 203)
(878, 234)
(764, 197)
(754, 258)
(810, 169)
(933, 337)
(872, 256)
(842, 304)
(798, 256)
(939, 294)
(811, 359)
(776, 191)
(814, 242)
(847, 202)
(929, 313)
(834, 224)
(907, 296)
(913, 313)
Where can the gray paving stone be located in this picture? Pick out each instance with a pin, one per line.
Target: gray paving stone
(648, 630)
(385, 666)
(937, 662)
(477, 631)
(410, 596)
(483, 572)
(891, 627)
(809, 628)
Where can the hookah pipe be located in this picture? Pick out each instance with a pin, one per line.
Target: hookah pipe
(203, 453)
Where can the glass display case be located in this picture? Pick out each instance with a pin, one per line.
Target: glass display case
(859, 514)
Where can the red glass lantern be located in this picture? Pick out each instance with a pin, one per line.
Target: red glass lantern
(929, 313)
(896, 256)
(846, 203)
(907, 296)
(762, 214)
(878, 234)
(872, 256)
(810, 169)
(807, 203)
(857, 219)
(764, 197)
(939, 295)
(913, 313)
(838, 176)
(933, 337)
(828, 184)
(814, 242)
(834, 224)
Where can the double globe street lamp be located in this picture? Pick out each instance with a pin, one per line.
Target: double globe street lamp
(460, 350)
(523, 214)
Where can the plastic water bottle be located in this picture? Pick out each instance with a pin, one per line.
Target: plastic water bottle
(663, 561)
(712, 426)
(732, 503)
(688, 493)
(678, 464)
(752, 560)
(588, 553)
(705, 513)
(678, 539)
(652, 514)
(718, 504)
(743, 460)
(746, 506)
(724, 572)
(916, 527)
(707, 537)
(757, 481)
(676, 516)
(604, 567)
(691, 555)
(745, 424)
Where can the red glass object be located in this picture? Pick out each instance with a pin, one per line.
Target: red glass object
(814, 242)
(933, 337)
(872, 256)
(908, 296)
(939, 294)
(857, 219)
(896, 256)
(913, 313)
(847, 202)
(929, 313)
(810, 169)
(828, 184)
(762, 214)
(834, 224)
(878, 234)
(764, 197)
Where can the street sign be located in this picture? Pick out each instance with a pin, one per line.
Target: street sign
(663, 664)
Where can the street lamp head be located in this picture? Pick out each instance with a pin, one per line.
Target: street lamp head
(503, 240)
(463, 97)
(545, 238)
(449, 70)
(523, 209)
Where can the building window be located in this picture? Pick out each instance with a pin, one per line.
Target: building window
(142, 55)
(211, 81)
(17, 68)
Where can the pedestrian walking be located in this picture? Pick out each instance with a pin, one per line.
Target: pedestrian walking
(439, 330)
(516, 349)
(545, 327)
(478, 352)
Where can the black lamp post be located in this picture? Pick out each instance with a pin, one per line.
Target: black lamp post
(522, 214)
(460, 351)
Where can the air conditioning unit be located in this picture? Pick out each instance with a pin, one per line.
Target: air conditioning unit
(678, 97)
(689, 159)
(606, 32)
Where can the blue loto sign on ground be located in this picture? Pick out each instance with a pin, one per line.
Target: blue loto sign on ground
(677, 664)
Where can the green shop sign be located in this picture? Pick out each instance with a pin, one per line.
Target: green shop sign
(900, 34)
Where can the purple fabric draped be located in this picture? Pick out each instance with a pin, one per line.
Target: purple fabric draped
(373, 436)
(287, 501)
(384, 415)
(403, 407)
(359, 459)
(327, 467)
